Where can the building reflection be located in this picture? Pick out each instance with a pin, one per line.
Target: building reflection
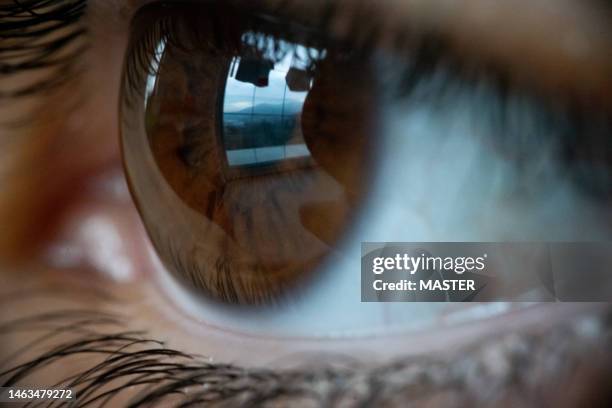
(262, 109)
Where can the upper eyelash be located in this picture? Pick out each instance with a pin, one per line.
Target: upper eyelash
(35, 32)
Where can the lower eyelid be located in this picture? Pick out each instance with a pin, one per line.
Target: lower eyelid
(225, 345)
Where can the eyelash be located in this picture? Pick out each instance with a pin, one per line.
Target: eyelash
(37, 32)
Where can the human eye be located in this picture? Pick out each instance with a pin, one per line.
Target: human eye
(264, 142)
(394, 143)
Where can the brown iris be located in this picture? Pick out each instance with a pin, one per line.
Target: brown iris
(249, 152)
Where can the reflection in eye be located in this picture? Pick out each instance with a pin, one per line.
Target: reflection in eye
(263, 125)
(258, 151)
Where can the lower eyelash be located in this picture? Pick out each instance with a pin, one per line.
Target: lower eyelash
(120, 363)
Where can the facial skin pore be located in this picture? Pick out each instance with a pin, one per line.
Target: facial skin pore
(103, 326)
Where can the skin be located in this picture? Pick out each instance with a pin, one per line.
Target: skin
(57, 177)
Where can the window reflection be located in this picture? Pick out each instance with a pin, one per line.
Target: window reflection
(262, 108)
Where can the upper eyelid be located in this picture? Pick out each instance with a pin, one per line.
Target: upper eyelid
(562, 45)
